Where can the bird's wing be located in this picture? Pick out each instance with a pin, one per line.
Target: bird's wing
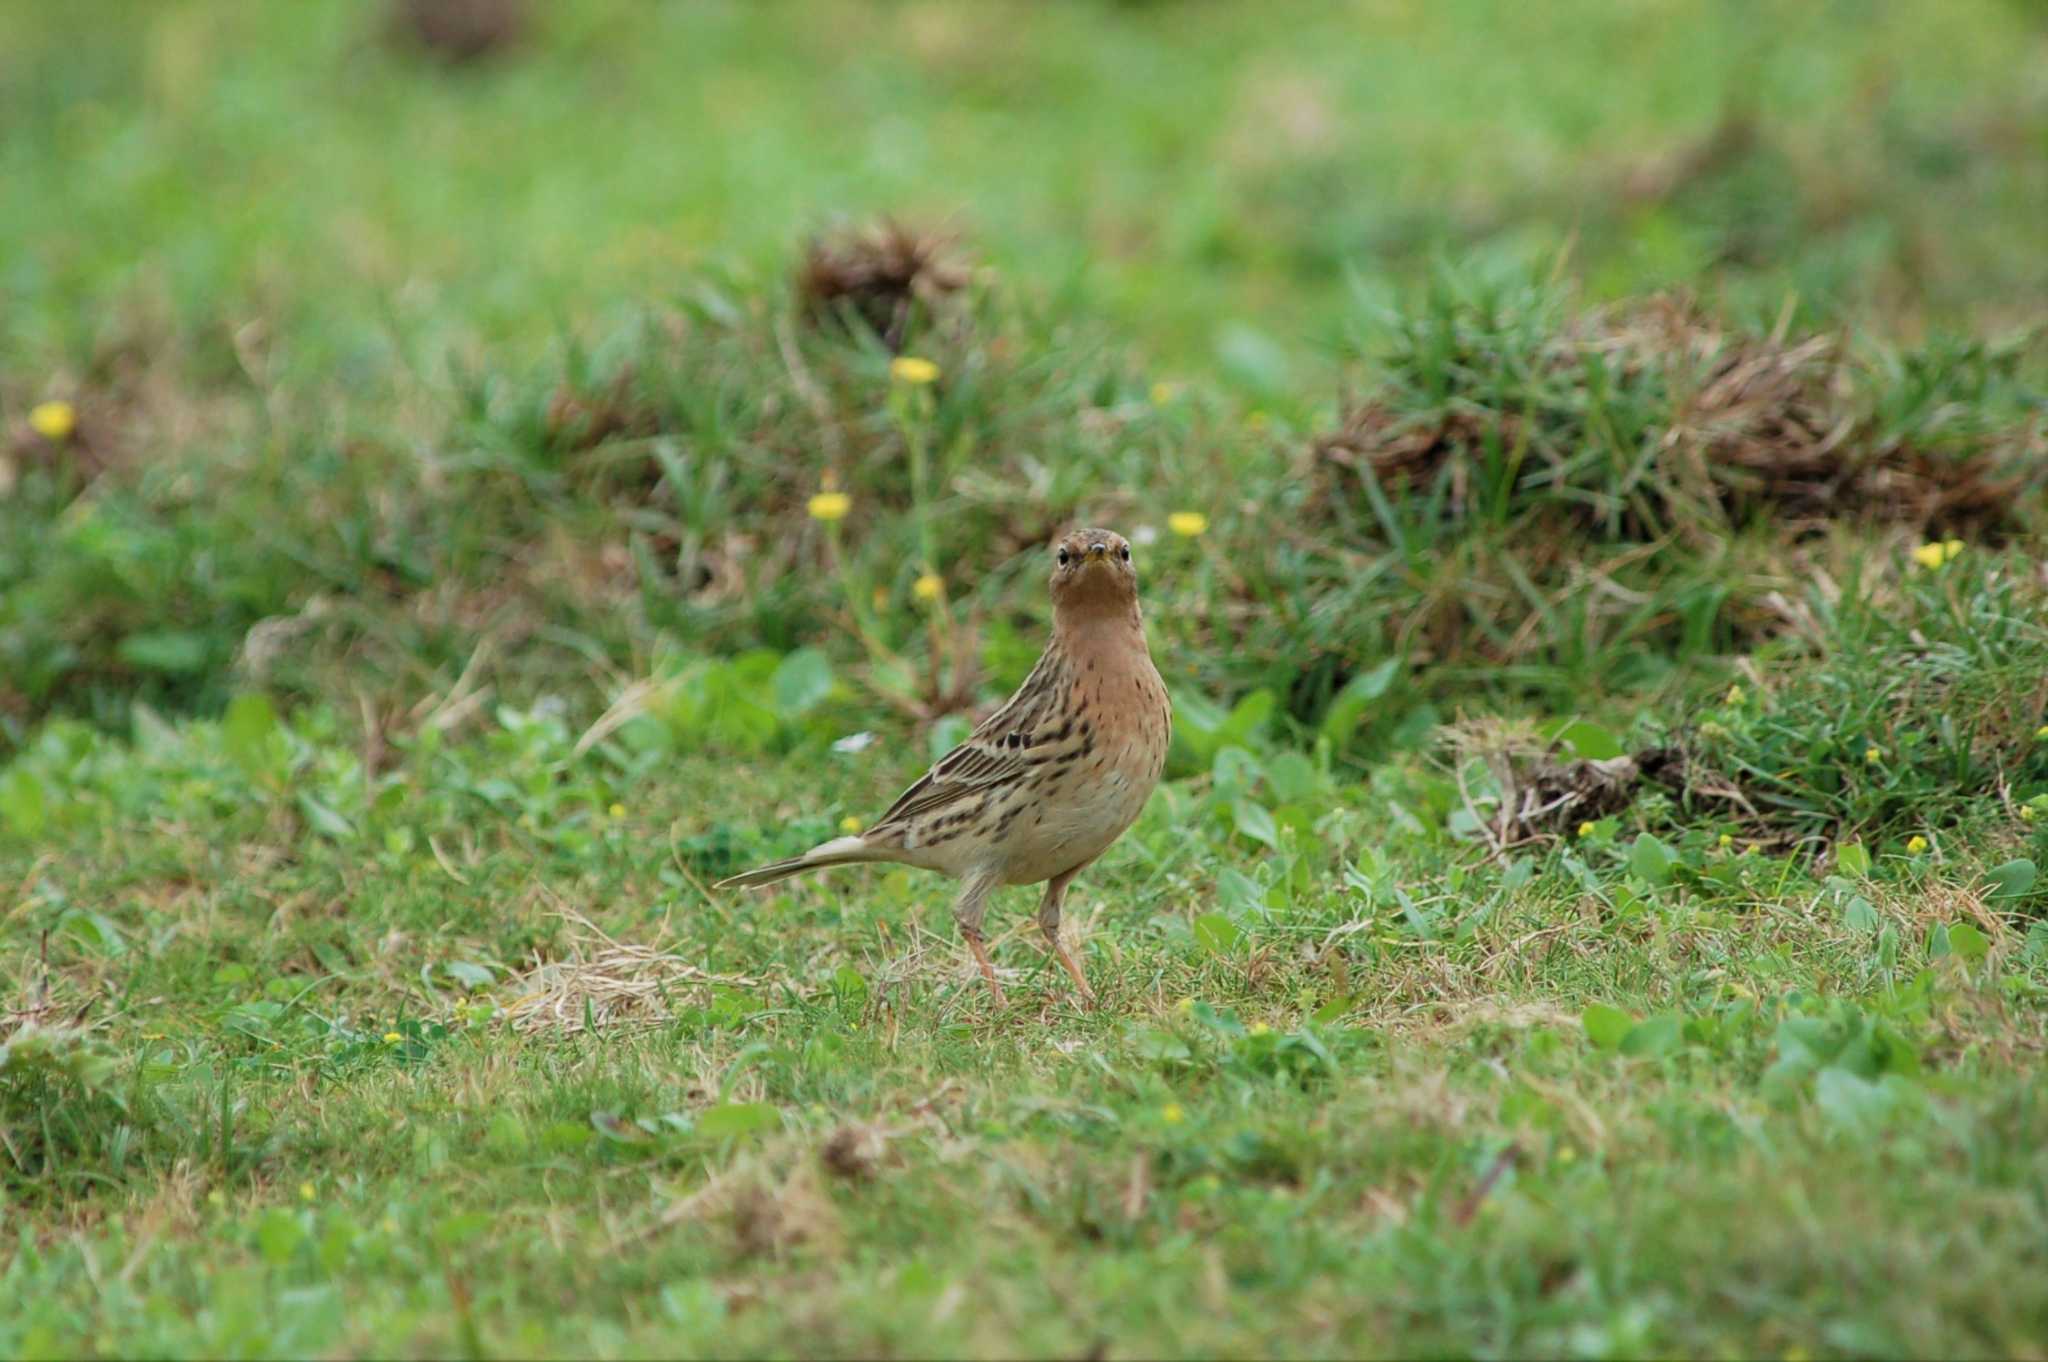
(1034, 727)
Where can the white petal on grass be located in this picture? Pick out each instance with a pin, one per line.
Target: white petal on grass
(854, 742)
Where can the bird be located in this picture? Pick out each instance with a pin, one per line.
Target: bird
(1046, 783)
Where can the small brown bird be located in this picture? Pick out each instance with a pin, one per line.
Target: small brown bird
(1047, 782)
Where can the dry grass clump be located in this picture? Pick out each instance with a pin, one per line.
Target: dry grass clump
(458, 31)
(602, 982)
(1649, 418)
(1538, 790)
(883, 273)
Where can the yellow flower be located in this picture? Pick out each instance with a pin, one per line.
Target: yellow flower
(1751, 849)
(1735, 695)
(392, 1038)
(1172, 1114)
(2041, 733)
(1727, 840)
(1259, 1029)
(1915, 844)
(1873, 754)
(928, 586)
(830, 506)
(1187, 524)
(911, 369)
(849, 825)
(1951, 549)
(2028, 812)
(305, 1191)
(1567, 1154)
(1587, 829)
(53, 420)
(1929, 556)
(617, 811)
(1185, 1005)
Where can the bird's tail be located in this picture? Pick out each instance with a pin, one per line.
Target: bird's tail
(838, 851)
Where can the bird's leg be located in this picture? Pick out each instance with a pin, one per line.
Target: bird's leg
(1049, 923)
(967, 911)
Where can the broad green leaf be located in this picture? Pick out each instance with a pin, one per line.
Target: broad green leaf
(22, 806)
(1967, 942)
(1216, 933)
(171, 651)
(1351, 704)
(246, 732)
(1292, 776)
(2015, 879)
(1852, 859)
(469, 974)
(732, 1119)
(1650, 860)
(323, 819)
(1587, 741)
(278, 1236)
(802, 681)
(1606, 1026)
(1654, 1036)
(1255, 821)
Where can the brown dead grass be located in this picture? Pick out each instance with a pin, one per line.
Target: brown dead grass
(1758, 426)
(883, 273)
(458, 32)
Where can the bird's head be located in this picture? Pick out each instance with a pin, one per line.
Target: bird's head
(1093, 575)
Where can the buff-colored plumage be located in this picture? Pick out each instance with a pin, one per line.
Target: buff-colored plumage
(1047, 782)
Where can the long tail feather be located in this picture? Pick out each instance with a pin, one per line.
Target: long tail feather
(838, 851)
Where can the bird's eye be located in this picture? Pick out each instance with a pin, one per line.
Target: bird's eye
(1064, 555)
(1127, 553)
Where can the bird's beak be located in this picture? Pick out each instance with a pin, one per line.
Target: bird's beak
(1098, 551)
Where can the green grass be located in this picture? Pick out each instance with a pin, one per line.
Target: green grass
(427, 609)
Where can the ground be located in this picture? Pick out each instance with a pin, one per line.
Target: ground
(1587, 471)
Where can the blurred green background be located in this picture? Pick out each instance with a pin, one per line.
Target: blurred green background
(1191, 171)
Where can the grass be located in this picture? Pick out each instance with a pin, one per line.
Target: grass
(1594, 907)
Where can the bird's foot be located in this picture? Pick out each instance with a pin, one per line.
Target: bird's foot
(988, 970)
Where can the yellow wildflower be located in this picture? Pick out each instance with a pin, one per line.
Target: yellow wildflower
(849, 825)
(910, 369)
(2041, 733)
(1259, 1029)
(617, 810)
(305, 1191)
(1172, 1114)
(1873, 754)
(1187, 524)
(1186, 1005)
(2029, 812)
(53, 420)
(1951, 549)
(1915, 844)
(1727, 840)
(1929, 556)
(1567, 1154)
(1751, 849)
(1587, 829)
(830, 506)
(928, 586)
(392, 1038)
(1735, 695)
